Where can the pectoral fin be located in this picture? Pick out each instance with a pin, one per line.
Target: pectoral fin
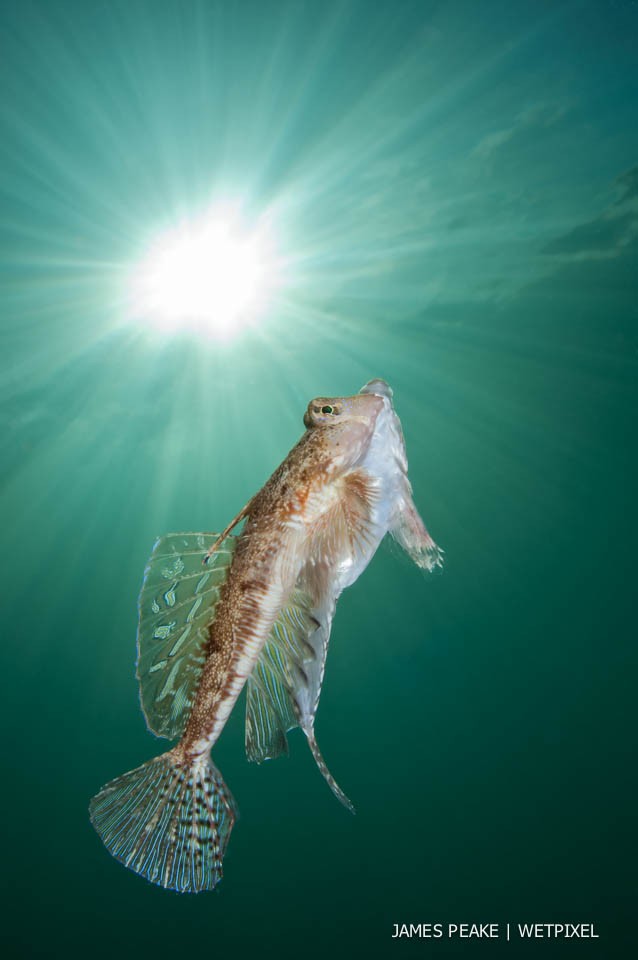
(410, 532)
(346, 531)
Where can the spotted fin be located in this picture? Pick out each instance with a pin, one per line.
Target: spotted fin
(169, 820)
(176, 607)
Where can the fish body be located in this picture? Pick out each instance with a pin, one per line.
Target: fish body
(274, 546)
(257, 613)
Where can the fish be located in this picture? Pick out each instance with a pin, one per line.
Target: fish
(254, 609)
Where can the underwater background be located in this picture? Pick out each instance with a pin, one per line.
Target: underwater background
(455, 190)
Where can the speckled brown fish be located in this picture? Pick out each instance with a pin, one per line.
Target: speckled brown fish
(220, 612)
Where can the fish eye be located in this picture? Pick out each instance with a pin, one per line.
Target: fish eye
(327, 409)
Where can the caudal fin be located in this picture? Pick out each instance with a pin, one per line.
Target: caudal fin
(168, 820)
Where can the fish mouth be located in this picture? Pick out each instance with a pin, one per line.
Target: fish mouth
(378, 387)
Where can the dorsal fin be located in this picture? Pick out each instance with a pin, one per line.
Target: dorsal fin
(176, 607)
(219, 538)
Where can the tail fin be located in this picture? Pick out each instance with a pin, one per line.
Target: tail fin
(169, 820)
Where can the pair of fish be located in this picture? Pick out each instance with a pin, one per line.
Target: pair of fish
(256, 612)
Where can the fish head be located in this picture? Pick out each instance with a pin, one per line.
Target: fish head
(342, 427)
(361, 409)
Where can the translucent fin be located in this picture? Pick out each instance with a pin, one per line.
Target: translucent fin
(284, 688)
(410, 532)
(270, 707)
(330, 780)
(285, 685)
(346, 531)
(341, 545)
(325, 589)
(269, 715)
(169, 820)
(176, 608)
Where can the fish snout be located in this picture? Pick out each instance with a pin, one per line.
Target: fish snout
(377, 387)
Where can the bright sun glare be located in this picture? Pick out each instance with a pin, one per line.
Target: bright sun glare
(208, 275)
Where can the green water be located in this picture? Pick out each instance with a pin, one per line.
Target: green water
(456, 191)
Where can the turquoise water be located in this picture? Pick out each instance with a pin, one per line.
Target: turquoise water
(454, 187)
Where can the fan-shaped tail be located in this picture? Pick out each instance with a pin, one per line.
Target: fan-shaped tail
(168, 820)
